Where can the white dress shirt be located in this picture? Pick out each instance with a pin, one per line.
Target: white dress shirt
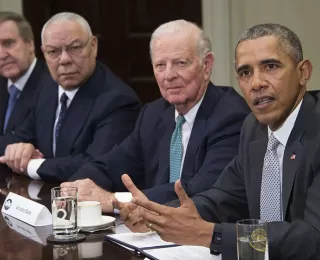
(34, 164)
(186, 132)
(21, 82)
(282, 135)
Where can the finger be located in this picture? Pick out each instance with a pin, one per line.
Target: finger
(17, 156)
(151, 217)
(150, 205)
(127, 212)
(66, 184)
(182, 195)
(3, 159)
(9, 155)
(154, 227)
(25, 158)
(117, 204)
(130, 186)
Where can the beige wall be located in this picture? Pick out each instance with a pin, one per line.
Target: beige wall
(232, 17)
(11, 5)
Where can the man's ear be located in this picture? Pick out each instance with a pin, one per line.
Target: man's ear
(305, 69)
(208, 64)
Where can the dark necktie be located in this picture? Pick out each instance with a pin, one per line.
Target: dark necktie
(13, 97)
(270, 198)
(176, 150)
(63, 112)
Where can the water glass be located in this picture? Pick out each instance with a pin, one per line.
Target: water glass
(252, 241)
(64, 212)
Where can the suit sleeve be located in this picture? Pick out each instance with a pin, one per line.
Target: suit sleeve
(26, 133)
(111, 130)
(226, 203)
(106, 170)
(221, 147)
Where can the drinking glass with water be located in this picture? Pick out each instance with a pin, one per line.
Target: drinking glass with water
(252, 241)
(64, 212)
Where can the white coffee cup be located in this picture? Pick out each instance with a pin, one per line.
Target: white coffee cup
(89, 213)
(90, 250)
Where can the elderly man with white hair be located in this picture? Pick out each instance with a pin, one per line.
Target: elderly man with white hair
(82, 111)
(191, 133)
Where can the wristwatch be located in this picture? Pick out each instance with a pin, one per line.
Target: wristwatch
(216, 242)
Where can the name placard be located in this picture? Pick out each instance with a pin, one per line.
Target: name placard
(26, 210)
(25, 229)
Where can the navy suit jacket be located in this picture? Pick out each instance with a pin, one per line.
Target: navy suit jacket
(236, 194)
(102, 113)
(24, 104)
(144, 155)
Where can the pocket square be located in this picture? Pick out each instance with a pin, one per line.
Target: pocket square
(293, 157)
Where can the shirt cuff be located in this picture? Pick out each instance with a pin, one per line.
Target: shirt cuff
(122, 197)
(33, 166)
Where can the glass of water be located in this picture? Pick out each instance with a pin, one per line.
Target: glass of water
(64, 212)
(252, 239)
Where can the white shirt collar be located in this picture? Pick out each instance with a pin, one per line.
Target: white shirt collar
(21, 82)
(69, 93)
(191, 115)
(282, 134)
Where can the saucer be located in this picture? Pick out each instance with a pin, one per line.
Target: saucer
(105, 221)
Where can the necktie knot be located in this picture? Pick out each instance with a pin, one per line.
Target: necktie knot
(180, 121)
(63, 99)
(273, 142)
(13, 92)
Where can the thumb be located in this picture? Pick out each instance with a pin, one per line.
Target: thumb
(2, 159)
(117, 204)
(130, 185)
(182, 195)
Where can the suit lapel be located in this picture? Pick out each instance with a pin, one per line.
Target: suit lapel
(73, 123)
(257, 150)
(26, 96)
(3, 102)
(48, 116)
(78, 112)
(198, 130)
(293, 151)
(165, 129)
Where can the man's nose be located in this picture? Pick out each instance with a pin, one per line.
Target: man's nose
(170, 73)
(65, 57)
(258, 81)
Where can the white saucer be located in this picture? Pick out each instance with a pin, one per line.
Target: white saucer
(105, 221)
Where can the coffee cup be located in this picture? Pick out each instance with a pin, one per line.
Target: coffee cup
(89, 213)
(90, 250)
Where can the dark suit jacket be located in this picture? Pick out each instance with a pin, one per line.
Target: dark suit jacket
(236, 194)
(102, 114)
(24, 104)
(144, 155)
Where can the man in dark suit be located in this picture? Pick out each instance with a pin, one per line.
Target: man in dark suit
(20, 71)
(208, 138)
(83, 110)
(275, 177)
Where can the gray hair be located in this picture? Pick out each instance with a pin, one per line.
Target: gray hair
(289, 41)
(24, 27)
(67, 16)
(203, 44)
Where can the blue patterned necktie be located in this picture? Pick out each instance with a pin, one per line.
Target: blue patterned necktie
(63, 111)
(13, 97)
(176, 150)
(270, 198)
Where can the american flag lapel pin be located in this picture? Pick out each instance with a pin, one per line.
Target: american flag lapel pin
(293, 157)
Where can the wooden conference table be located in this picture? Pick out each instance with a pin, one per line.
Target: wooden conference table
(21, 241)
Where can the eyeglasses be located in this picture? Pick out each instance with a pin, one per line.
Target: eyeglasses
(73, 50)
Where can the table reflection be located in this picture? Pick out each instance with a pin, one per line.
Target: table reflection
(19, 240)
